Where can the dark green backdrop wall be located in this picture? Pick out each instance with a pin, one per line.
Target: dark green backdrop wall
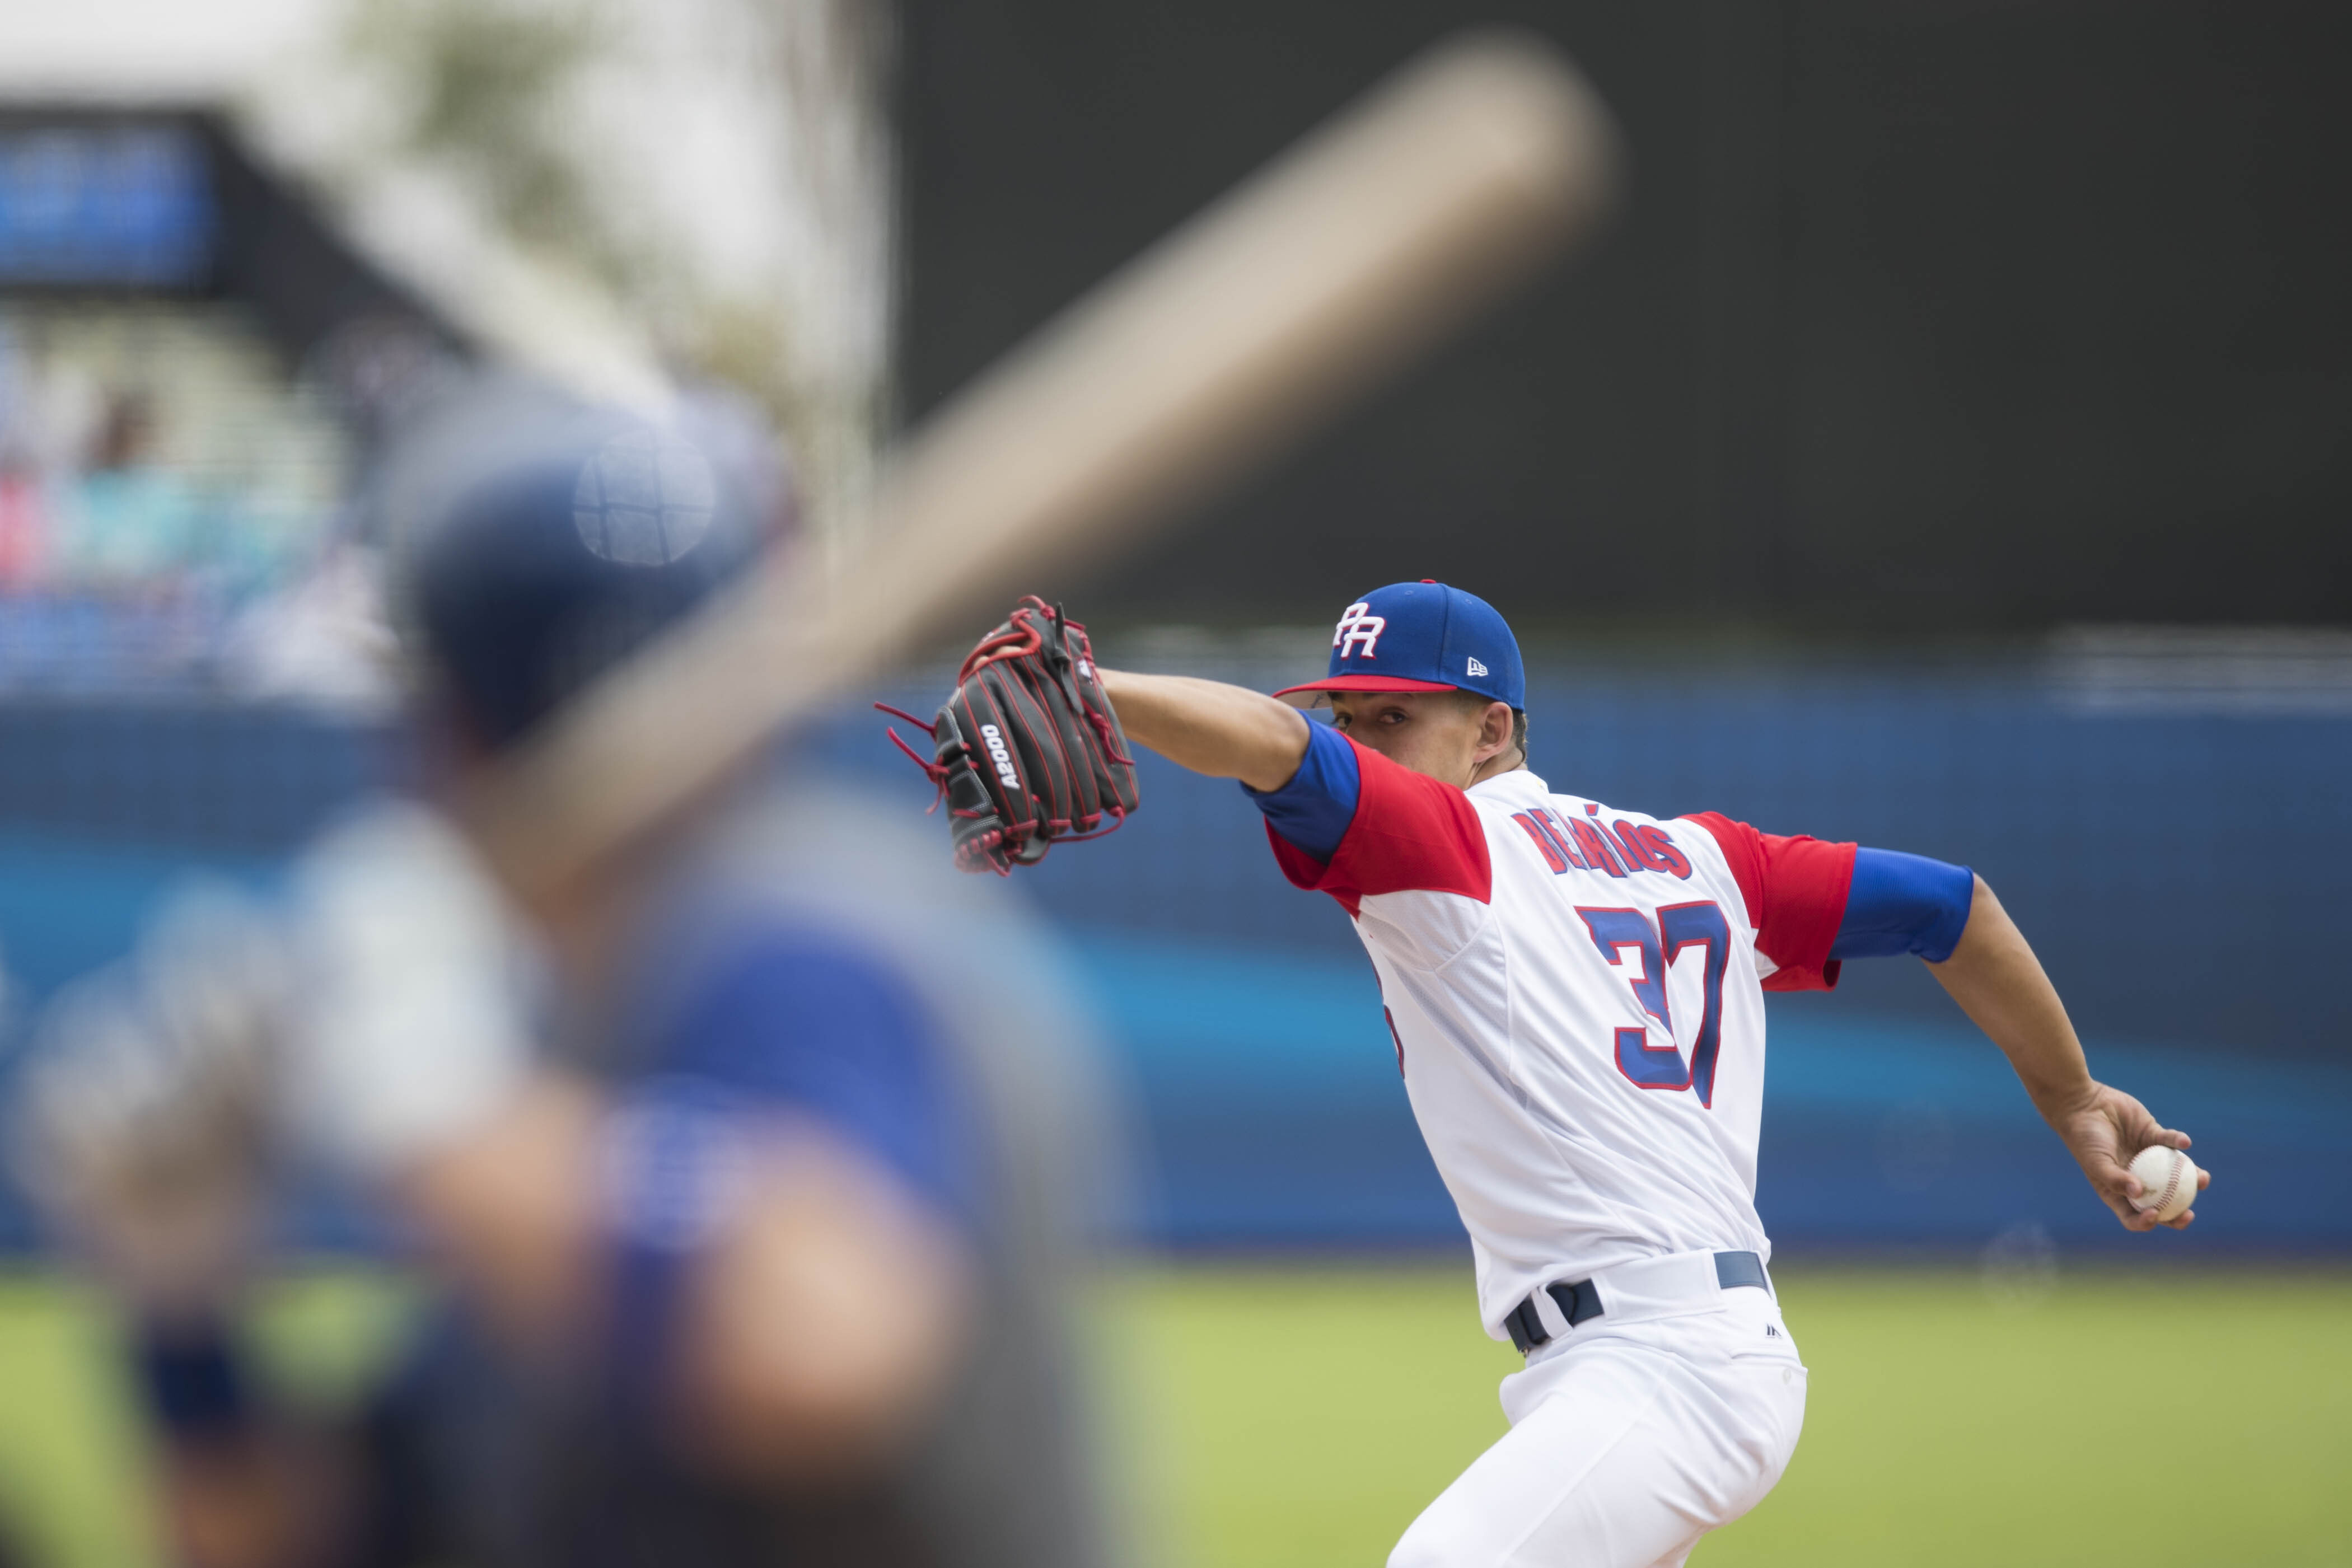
(1947, 314)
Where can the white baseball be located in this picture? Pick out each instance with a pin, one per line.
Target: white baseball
(2168, 1180)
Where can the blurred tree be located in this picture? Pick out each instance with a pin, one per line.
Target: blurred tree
(721, 169)
(487, 82)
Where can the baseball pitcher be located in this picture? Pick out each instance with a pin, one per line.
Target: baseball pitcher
(1576, 996)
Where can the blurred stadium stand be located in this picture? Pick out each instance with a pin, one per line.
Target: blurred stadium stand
(192, 368)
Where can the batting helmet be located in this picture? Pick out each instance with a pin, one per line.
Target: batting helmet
(536, 542)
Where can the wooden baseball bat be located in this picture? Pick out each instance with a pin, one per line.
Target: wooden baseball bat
(1252, 321)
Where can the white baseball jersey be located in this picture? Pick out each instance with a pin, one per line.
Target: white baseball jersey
(1577, 999)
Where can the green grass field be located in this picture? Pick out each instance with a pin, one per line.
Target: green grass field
(1300, 1417)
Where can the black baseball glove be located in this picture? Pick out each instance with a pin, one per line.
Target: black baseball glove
(1027, 750)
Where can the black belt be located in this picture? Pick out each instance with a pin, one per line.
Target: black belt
(1581, 1303)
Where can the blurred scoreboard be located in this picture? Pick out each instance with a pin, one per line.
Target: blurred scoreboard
(92, 204)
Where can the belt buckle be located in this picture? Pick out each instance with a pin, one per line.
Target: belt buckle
(1525, 1326)
(1578, 1304)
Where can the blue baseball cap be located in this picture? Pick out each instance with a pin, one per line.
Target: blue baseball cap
(1420, 637)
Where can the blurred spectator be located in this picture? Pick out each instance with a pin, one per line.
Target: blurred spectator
(24, 509)
(158, 486)
(131, 523)
(24, 522)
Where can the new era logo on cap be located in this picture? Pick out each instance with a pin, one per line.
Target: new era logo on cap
(1420, 637)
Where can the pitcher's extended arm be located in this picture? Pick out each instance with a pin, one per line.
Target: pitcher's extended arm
(1998, 983)
(1226, 732)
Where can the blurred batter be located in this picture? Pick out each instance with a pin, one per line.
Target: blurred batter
(752, 1212)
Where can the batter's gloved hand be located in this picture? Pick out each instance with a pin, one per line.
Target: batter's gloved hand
(1028, 749)
(143, 1121)
(381, 1011)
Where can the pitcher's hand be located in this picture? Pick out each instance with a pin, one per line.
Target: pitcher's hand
(2102, 1131)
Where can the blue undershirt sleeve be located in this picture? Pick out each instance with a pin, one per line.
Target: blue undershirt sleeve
(1313, 810)
(789, 1019)
(1904, 903)
(811, 1023)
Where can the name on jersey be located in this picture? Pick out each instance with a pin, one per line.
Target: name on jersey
(1588, 844)
(997, 754)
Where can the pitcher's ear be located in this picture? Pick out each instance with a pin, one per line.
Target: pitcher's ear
(1500, 723)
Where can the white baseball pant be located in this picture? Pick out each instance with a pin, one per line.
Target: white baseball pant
(1631, 1435)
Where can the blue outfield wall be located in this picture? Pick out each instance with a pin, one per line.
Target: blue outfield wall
(1269, 1093)
(2177, 870)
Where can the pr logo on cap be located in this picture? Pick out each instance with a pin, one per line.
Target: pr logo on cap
(1359, 625)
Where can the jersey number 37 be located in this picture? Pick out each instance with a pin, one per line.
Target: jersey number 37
(1678, 926)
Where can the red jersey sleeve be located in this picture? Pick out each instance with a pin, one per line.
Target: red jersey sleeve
(1795, 890)
(1410, 834)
